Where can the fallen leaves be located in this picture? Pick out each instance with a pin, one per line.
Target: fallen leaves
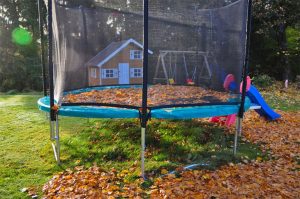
(91, 183)
(164, 171)
(276, 178)
(281, 137)
(157, 95)
(255, 180)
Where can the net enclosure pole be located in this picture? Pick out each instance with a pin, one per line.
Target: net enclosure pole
(238, 131)
(41, 26)
(245, 73)
(54, 127)
(50, 61)
(247, 59)
(145, 85)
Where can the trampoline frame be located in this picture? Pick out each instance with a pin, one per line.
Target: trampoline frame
(144, 110)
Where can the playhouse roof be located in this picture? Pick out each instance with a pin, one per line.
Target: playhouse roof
(111, 50)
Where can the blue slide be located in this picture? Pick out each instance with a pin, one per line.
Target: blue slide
(265, 110)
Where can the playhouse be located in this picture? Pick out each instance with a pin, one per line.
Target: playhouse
(119, 63)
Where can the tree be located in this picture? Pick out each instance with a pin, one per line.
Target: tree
(19, 66)
(272, 18)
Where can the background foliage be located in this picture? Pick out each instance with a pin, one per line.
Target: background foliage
(19, 64)
(275, 46)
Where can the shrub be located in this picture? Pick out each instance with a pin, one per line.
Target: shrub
(12, 92)
(263, 81)
(27, 90)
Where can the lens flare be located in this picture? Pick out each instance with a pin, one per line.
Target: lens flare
(21, 36)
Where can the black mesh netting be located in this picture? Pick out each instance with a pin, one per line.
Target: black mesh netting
(193, 46)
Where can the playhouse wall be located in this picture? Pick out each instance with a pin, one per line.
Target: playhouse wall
(136, 80)
(94, 81)
(113, 63)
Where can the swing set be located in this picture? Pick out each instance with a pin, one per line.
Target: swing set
(170, 62)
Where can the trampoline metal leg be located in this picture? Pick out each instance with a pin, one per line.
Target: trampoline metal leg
(143, 133)
(239, 126)
(238, 132)
(55, 137)
(52, 130)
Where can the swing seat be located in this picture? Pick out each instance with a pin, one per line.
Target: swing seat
(190, 82)
(171, 81)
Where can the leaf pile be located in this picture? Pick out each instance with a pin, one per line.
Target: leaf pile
(91, 183)
(275, 178)
(256, 180)
(281, 137)
(157, 95)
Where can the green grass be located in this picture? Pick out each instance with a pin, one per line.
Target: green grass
(27, 159)
(282, 99)
(169, 144)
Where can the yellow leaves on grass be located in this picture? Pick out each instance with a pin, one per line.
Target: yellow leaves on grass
(164, 171)
(278, 178)
(281, 137)
(91, 183)
(275, 178)
(259, 159)
(257, 180)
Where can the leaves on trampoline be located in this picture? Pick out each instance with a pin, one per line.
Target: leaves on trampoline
(157, 95)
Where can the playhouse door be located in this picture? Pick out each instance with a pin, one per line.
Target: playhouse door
(123, 73)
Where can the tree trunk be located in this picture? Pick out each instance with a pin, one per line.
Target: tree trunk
(282, 40)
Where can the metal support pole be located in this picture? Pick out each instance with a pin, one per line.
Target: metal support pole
(51, 130)
(143, 133)
(57, 142)
(238, 132)
(246, 61)
(239, 126)
(144, 115)
(50, 59)
(244, 77)
(54, 135)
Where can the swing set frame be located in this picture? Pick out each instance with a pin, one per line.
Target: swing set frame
(169, 76)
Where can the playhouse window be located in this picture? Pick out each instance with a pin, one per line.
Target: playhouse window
(94, 72)
(136, 72)
(136, 54)
(109, 73)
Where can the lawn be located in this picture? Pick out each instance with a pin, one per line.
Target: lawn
(27, 160)
(282, 99)
(26, 157)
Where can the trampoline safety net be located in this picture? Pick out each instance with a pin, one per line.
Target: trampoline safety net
(193, 46)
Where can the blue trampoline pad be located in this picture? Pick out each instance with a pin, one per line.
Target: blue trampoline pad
(198, 111)
(191, 112)
(89, 111)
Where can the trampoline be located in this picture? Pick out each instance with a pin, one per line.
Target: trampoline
(183, 111)
(145, 59)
